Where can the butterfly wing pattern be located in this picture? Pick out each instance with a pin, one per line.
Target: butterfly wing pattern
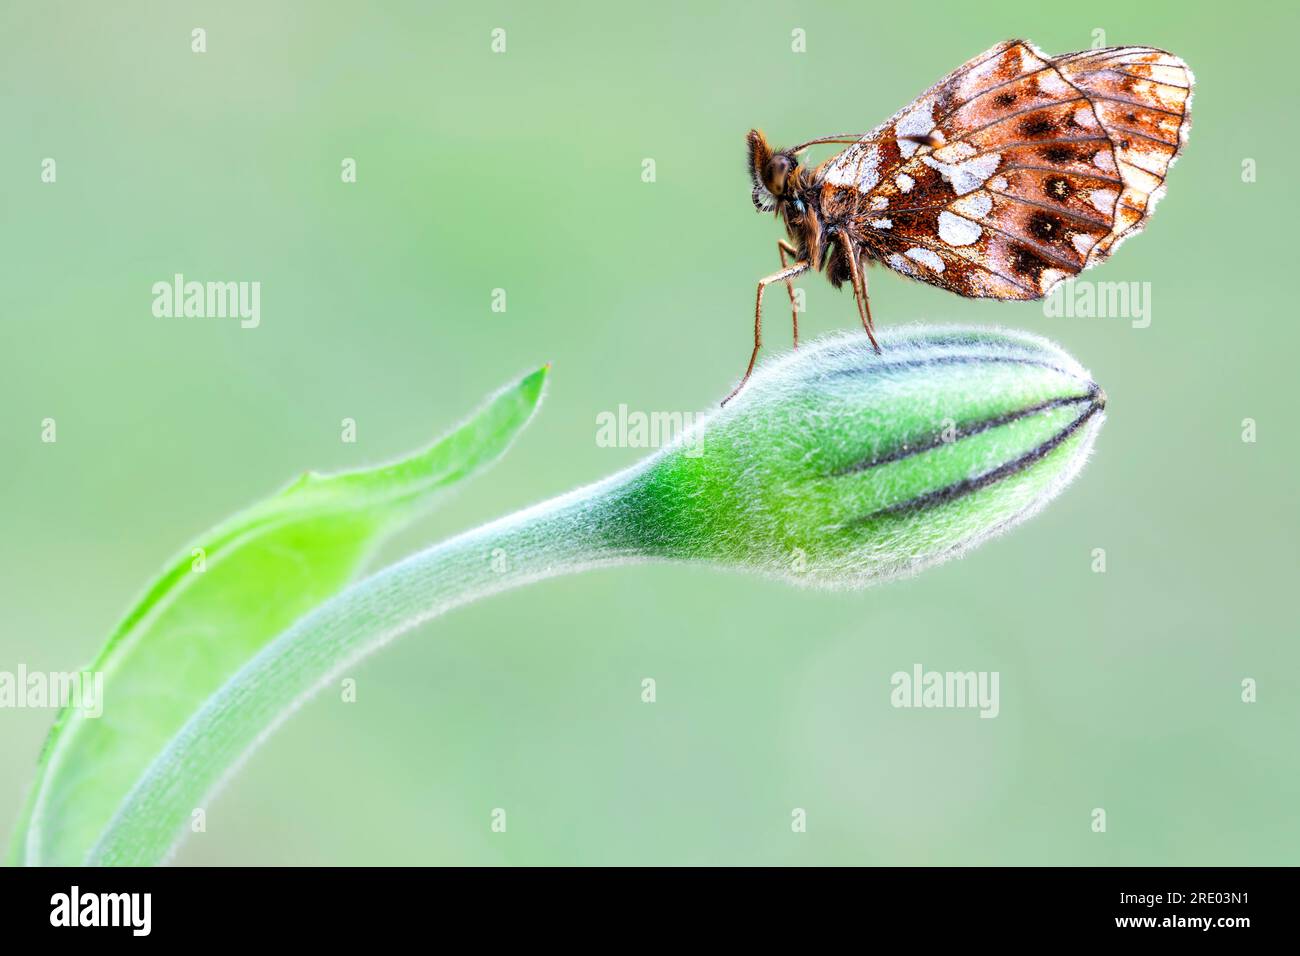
(1018, 170)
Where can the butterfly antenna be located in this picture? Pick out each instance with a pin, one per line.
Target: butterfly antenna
(845, 138)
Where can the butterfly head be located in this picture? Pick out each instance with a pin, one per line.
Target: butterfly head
(773, 172)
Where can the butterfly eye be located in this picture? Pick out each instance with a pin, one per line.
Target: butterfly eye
(775, 174)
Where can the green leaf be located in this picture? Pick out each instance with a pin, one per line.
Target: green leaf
(210, 611)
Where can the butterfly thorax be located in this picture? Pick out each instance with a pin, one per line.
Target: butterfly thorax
(822, 227)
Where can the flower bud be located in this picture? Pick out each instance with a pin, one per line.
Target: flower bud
(839, 467)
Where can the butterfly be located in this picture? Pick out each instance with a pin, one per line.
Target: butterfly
(1016, 171)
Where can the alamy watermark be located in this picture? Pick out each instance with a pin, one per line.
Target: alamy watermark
(79, 690)
(208, 300)
(132, 911)
(1085, 299)
(946, 689)
(634, 429)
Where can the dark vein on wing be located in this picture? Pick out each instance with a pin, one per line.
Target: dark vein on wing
(1032, 109)
(1139, 76)
(1145, 106)
(1001, 147)
(1140, 135)
(997, 86)
(948, 253)
(1062, 172)
(1059, 210)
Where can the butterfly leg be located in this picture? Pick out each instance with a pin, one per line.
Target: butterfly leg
(860, 293)
(782, 247)
(866, 306)
(784, 275)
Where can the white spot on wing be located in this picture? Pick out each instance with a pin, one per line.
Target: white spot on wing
(999, 183)
(1103, 200)
(1102, 159)
(879, 202)
(1083, 242)
(926, 257)
(1050, 82)
(1051, 277)
(1136, 176)
(899, 264)
(904, 182)
(882, 223)
(1085, 118)
(918, 121)
(957, 231)
(858, 167)
(966, 176)
(974, 205)
(955, 153)
(870, 170)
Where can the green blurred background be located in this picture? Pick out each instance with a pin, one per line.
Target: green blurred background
(523, 171)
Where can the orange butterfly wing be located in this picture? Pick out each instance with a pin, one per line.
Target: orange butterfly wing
(1035, 169)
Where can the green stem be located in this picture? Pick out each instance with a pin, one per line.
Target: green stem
(582, 529)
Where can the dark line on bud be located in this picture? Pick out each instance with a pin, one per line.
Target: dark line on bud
(968, 486)
(938, 441)
(923, 361)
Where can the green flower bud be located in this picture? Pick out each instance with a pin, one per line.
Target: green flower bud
(838, 466)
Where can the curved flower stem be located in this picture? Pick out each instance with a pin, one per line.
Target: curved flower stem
(573, 532)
